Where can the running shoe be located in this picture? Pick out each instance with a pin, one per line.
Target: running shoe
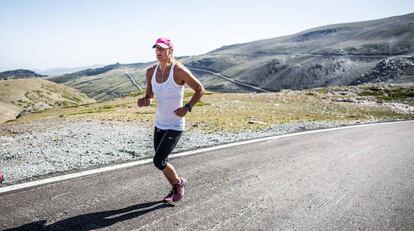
(179, 190)
(169, 197)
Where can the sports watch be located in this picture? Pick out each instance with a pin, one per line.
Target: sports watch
(188, 107)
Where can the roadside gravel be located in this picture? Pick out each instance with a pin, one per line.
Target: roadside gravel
(30, 151)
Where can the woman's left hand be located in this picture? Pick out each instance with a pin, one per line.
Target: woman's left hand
(181, 112)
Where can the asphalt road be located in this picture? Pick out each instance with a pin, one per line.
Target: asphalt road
(359, 178)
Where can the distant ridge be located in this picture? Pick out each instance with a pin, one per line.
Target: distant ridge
(64, 70)
(19, 74)
(94, 71)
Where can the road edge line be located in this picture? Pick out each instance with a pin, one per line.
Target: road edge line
(30, 184)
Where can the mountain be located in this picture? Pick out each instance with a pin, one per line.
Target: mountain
(64, 70)
(19, 96)
(106, 82)
(18, 74)
(341, 54)
(85, 72)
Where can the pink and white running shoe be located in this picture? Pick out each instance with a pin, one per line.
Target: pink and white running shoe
(1, 176)
(179, 190)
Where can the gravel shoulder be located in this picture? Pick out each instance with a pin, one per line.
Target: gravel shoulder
(42, 149)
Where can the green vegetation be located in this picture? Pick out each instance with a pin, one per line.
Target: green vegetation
(391, 93)
(136, 93)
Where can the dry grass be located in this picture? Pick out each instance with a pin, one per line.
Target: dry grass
(35, 94)
(29, 92)
(237, 112)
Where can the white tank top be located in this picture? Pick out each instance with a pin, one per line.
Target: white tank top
(169, 98)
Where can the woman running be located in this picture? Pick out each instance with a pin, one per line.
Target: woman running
(166, 80)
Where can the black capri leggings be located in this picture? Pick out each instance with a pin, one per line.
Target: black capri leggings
(164, 143)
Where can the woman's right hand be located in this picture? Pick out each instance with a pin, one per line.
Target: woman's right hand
(143, 102)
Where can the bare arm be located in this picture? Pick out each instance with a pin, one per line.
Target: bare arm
(186, 77)
(149, 93)
(146, 100)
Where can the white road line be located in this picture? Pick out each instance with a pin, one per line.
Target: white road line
(63, 194)
(185, 153)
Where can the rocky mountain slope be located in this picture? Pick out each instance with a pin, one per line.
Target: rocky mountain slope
(342, 54)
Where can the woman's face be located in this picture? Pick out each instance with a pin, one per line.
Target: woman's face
(162, 54)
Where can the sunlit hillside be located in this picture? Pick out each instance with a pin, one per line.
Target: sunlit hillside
(35, 94)
(240, 112)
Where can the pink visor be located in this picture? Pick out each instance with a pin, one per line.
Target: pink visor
(164, 43)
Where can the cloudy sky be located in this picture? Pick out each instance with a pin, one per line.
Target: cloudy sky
(43, 34)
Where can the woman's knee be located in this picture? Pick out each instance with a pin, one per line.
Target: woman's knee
(159, 163)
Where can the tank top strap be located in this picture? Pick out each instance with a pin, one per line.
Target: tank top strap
(154, 75)
(171, 75)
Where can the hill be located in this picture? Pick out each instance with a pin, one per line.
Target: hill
(18, 96)
(341, 54)
(249, 112)
(105, 82)
(18, 74)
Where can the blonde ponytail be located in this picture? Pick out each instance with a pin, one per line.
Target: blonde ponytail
(173, 60)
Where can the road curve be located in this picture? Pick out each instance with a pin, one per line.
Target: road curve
(347, 179)
(237, 82)
(133, 81)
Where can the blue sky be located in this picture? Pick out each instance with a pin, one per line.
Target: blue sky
(45, 34)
